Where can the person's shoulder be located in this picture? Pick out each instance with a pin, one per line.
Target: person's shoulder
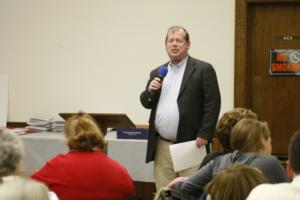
(267, 158)
(115, 165)
(199, 62)
(154, 71)
(211, 156)
(60, 158)
(10, 178)
(267, 190)
(271, 187)
(214, 155)
(156, 68)
(267, 163)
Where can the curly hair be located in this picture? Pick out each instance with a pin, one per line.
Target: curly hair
(227, 122)
(83, 134)
(11, 152)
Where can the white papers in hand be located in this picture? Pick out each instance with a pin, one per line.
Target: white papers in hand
(186, 154)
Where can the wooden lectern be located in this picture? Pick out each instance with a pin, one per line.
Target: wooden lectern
(106, 120)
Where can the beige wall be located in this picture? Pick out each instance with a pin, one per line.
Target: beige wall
(96, 55)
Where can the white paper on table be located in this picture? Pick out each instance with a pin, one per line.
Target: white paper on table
(3, 99)
(186, 154)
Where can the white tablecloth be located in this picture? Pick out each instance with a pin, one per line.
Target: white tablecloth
(132, 155)
(40, 147)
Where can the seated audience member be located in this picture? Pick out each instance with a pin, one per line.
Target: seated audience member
(286, 191)
(251, 141)
(234, 182)
(223, 130)
(23, 189)
(11, 154)
(85, 172)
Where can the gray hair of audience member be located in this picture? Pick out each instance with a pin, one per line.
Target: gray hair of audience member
(23, 189)
(11, 152)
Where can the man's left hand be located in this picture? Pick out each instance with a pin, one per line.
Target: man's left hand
(200, 141)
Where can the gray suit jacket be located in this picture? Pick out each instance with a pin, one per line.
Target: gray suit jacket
(198, 103)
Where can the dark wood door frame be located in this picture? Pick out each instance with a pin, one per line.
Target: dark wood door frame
(241, 61)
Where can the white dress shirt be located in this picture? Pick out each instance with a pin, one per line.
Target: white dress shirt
(167, 113)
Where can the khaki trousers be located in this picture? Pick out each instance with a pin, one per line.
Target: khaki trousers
(163, 167)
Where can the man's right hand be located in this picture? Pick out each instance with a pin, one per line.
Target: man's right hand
(154, 85)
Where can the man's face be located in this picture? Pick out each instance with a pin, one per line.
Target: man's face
(176, 45)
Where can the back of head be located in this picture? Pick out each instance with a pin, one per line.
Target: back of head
(11, 152)
(294, 152)
(23, 189)
(248, 134)
(227, 122)
(83, 134)
(234, 182)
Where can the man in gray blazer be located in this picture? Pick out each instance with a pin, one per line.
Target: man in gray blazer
(185, 105)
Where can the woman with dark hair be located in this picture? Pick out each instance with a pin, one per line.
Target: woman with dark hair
(85, 172)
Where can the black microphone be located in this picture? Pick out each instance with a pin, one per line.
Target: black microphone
(161, 74)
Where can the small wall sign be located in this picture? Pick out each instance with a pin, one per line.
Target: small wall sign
(284, 62)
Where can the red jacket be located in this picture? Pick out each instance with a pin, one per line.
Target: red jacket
(86, 175)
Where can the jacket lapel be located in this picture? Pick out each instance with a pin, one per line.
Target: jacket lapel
(189, 69)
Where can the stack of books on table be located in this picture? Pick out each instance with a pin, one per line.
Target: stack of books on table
(57, 126)
(39, 123)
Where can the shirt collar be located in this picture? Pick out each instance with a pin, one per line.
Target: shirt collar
(179, 65)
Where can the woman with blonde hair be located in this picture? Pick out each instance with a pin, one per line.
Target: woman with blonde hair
(223, 130)
(85, 172)
(234, 182)
(251, 142)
